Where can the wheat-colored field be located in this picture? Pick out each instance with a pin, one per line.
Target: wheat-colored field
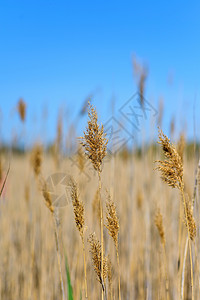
(139, 222)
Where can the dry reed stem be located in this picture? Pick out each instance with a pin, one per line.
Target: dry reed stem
(159, 224)
(140, 72)
(58, 253)
(95, 206)
(183, 269)
(4, 181)
(81, 159)
(1, 169)
(101, 228)
(110, 276)
(189, 225)
(197, 183)
(49, 204)
(181, 146)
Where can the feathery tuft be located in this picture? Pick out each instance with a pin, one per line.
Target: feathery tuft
(46, 195)
(159, 224)
(112, 220)
(95, 250)
(189, 216)
(36, 159)
(22, 109)
(94, 140)
(172, 167)
(78, 207)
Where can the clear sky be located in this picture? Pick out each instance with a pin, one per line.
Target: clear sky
(56, 53)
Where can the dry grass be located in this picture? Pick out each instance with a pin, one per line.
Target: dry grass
(156, 262)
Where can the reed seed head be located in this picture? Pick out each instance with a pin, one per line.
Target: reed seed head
(95, 250)
(94, 140)
(112, 220)
(140, 73)
(189, 216)
(110, 271)
(172, 167)
(47, 196)
(78, 207)
(159, 224)
(36, 159)
(22, 109)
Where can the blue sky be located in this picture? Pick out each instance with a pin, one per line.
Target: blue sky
(54, 54)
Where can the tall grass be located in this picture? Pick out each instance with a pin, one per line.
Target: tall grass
(127, 238)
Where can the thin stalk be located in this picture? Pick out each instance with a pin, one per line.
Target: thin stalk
(102, 243)
(58, 256)
(179, 245)
(166, 273)
(84, 261)
(183, 271)
(118, 272)
(189, 241)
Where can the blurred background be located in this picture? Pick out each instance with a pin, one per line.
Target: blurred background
(56, 55)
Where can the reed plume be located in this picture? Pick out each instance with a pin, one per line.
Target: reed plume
(172, 173)
(113, 229)
(95, 250)
(159, 224)
(112, 220)
(47, 196)
(94, 140)
(140, 73)
(36, 159)
(80, 220)
(171, 168)
(95, 143)
(189, 218)
(21, 107)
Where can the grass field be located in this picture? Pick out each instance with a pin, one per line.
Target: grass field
(148, 229)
